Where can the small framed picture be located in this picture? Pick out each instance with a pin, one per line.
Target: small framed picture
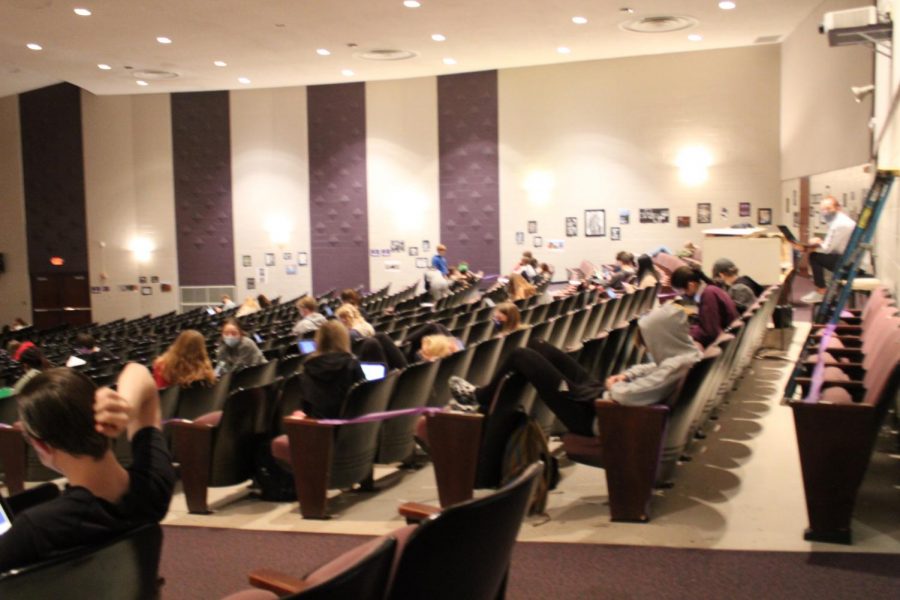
(595, 223)
(398, 246)
(615, 234)
(571, 226)
(764, 216)
(624, 216)
(142, 279)
(723, 212)
(246, 260)
(520, 237)
(302, 259)
(556, 245)
(165, 287)
(146, 290)
(270, 259)
(744, 209)
(374, 252)
(704, 213)
(532, 226)
(413, 250)
(154, 279)
(287, 256)
(683, 222)
(251, 283)
(426, 246)
(290, 269)
(537, 241)
(421, 263)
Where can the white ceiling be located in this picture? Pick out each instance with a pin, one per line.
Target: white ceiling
(274, 42)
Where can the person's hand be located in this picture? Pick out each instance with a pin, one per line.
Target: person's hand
(614, 379)
(816, 241)
(111, 412)
(299, 414)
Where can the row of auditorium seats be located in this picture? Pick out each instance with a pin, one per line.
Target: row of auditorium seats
(847, 384)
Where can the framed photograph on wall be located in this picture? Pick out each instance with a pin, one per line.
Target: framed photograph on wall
(287, 256)
(251, 283)
(247, 260)
(615, 234)
(683, 222)
(398, 246)
(744, 209)
(624, 216)
(302, 259)
(532, 226)
(426, 246)
(537, 241)
(571, 226)
(520, 237)
(270, 259)
(764, 216)
(704, 213)
(654, 215)
(595, 222)
(290, 269)
(146, 290)
(421, 263)
(413, 250)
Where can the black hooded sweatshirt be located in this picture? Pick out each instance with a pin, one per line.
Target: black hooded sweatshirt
(326, 380)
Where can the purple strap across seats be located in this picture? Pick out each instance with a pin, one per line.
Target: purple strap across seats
(815, 388)
(383, 415)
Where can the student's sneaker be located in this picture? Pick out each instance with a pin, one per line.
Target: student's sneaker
(813, 297)
(462, 391)
(454, 406)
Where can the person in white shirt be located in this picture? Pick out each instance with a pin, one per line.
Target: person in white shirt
(828, 251)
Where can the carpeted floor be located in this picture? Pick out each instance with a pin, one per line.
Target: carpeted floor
(210, 563)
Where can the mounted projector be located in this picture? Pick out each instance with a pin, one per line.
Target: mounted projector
(854, 17)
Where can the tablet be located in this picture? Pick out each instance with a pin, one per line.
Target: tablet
(5, 518)
(306, 346)
(373, 371)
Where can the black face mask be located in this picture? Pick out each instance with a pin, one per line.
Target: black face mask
(497, 323)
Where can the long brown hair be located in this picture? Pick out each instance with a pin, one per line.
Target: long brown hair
(519, 288)
(186, 360)
(513, 321)
(332, 336)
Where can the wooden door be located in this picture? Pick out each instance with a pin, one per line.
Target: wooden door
(60, 299)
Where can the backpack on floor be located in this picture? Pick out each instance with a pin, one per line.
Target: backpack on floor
(274, 482)
(526, 445)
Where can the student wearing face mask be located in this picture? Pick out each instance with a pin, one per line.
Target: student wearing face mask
(715, 308)
(236, 350)
(828, 252)
(506, 318)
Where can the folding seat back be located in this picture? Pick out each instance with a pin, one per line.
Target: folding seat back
(168, 402)
(455, 364)
(576, 329)
(199, 399)
(396, 440)
(592, 325)
(480, 331)
(245, 416)
(560, 329)
(254, 376)
(512, 341)
(484, 361)
(289, 366)
(609, 315)
(568, 304)
(540, 313)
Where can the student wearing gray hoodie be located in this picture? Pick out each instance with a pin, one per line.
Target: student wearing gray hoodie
(569, 391)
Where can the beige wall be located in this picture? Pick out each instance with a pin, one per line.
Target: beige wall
(606, 134)
(270, 188)
(129, 194)
(15, 289)
(822, 127)
(402, 171)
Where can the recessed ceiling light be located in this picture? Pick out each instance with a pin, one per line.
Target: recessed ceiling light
(82, 12)
(411, 4)
(347, 72)
(142, 83)
(33, 46)
(244, 80)
(449, 61)
(104, 67)
(564, 50)
(323, 52)
(438, 37)
(695, 37)
(579, 20)
(727, 5)
(163, 40)
(220, 63)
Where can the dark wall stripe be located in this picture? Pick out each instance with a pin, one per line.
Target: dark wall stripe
(53, 170)
(338, 212)
(201, 148)
(469, 168)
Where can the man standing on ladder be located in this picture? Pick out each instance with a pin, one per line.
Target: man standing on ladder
(828, 253)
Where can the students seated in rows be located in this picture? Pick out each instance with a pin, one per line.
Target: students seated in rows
(86, 350)
(506, 318)
(329, 372)
(185, 362)
(236, 350)
(249, 307)
(310, 317)
(33, 362)
(436, 284)
(437, 346)
(357, 327)
(742, 289)
(715, 308)
(70, 424)
(647, 275)
(623, 272)
(569, 391)
(351, 296)
(518, 288)
(527, 266)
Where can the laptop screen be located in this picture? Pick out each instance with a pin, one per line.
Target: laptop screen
(788, 234)
(306, 346)
(373, 371)
(5, 520)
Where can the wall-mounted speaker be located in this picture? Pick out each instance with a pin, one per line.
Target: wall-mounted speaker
(2, 263)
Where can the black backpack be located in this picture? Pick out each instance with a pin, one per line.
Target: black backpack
(274, 482)
(526, 445)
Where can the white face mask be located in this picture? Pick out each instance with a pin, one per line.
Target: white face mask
(231, 341)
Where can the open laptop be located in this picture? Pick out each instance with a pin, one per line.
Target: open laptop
(5, 517)
(306, 346)
(373, 371)
(788, 234)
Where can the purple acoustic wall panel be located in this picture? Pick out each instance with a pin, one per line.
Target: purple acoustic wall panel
(469, 169)
(201, 149)
(338, 213)
(53, 169)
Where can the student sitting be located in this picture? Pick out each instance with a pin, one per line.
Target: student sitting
(33, 363)
(357, 327)
(70, 423)
(236, 350)
(329, 372)
(715, 308)
(518, 288)
(310, 317)
(185, 362)
(742, 289)
(569, 391)
(647, 276)
(623, 272)
(380, 348)
(506, 318)
(249, 307)
(351, 296)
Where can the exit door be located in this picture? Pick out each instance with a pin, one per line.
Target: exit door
(60, 299)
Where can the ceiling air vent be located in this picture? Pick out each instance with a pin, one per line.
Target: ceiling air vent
(767, 39)
(658, 24)
(384, 54)
(153, 74)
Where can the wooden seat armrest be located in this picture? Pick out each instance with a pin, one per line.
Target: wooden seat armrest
(804, 382)
(841, 328)
(277, 582)
(416, 512)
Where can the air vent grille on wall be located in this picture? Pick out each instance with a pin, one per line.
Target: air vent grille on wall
(195, 297)
(658, 24)
(767, 39)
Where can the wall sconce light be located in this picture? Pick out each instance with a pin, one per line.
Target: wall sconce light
(279, 230)
(693, 165)
(861, 91)
(142, 248)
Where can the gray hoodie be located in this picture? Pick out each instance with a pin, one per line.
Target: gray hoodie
(667, 336)
(308, 324)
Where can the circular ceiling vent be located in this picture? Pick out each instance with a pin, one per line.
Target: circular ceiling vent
(658, 24)
(153, 74)
(384, 54)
